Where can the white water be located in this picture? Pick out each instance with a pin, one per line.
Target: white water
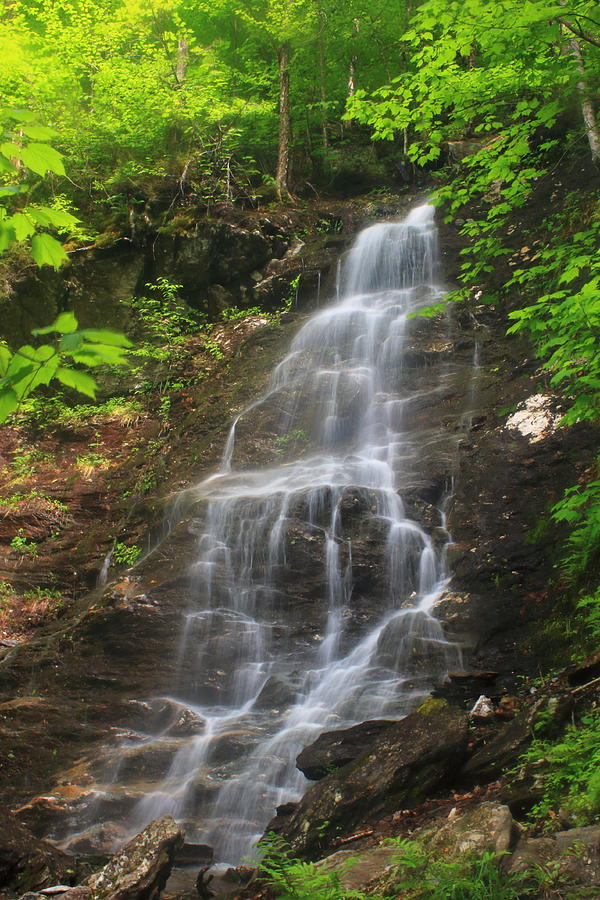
(337, 407)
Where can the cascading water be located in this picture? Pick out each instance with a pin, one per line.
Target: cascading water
(266, 670)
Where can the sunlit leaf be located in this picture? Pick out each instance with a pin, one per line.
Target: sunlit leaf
(8, 401)
(42, 158)
(47, 251)
(65, 323)
(104, 336)
(85, 384)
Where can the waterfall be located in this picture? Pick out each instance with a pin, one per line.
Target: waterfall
(264, 662)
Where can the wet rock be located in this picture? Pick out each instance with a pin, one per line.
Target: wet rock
(463, 687)
(140, 870)
(166, 716)
(276, 693)
(219, 298)
(573, 856)
(586, 672)
(482, 708)
(26, 863)
(355, 871)
(194, 854)
(232, 745)
(408, 761)
(488, 826)
(335, 749)
(505, 747)
(102, 838)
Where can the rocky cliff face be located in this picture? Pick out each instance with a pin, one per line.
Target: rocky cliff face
(85, 687)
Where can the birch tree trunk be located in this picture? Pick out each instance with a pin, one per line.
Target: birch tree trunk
(587, 107)
(321, 46)
(183, 55)
(285, 125)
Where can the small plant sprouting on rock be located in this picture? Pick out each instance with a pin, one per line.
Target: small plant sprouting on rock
(88, 463)
(297, 436)
(22, 545)
(126, 554)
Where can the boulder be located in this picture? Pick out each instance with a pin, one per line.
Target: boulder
(140, 870)
(356, 870)
(572, 856)
(26, 863)
(487, 826)
(407, 762)
(335, 749)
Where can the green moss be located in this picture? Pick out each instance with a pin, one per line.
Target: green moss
(431, 707)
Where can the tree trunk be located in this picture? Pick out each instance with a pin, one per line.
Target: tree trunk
(353, 64)
(587, 107)
(183, 55)
(321, 45)
(285, 126)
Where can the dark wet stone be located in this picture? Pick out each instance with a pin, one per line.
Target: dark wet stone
(26, 863)
(403, 766)
(276, 693)
(140, 870)
(194, 854)
(335, 749)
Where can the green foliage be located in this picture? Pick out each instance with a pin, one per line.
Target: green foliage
(31, 367)
(298, 436)
(141, 93)
(212, 348)
(564, 322)
(45, 411)
(415, 875)
(162, 317)
(20, 544)
(589, 607)
(42, 594)
(87, 463)
(424, 876)
(235, 314)
(25, 370)
(23, 462)
(580, 509)
(569, 771)
(126, 554)
(293, 879)
(22, 158)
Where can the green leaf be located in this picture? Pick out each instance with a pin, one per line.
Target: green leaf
(10, 150)
(20, 115)
(6, 165)
(5, 358)
(48, 217)
(39, 132)
(85, 384)
(42, 158)
(70, 342)
(47, 251)
(105, 353)
(22, 225)
(8, 401)
(7, 237)
(65, 323)
(104, 336)
(428, 311)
